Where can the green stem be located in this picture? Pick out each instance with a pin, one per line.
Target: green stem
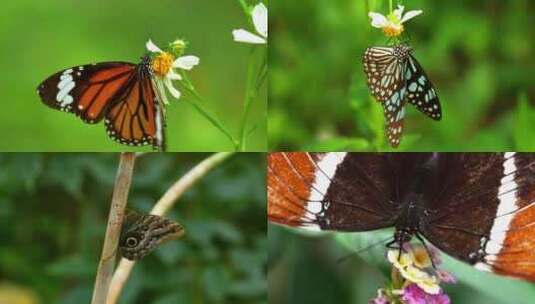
(244, 6)
(186, 83)
(262, 73)
(249, 96)
(253, 86)
(390, 2)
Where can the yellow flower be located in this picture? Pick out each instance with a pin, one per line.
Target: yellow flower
(412, 265)
(420, 257)
(399, 261)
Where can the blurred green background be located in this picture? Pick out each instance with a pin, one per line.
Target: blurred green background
(307, 268)
(40, 38)
(53, 214)
(479, 55)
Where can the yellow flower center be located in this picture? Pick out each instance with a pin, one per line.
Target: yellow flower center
(393, 30)
(162, 64)
(420, 257)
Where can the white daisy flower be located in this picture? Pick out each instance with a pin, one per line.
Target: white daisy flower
(163, 65)
(392, 24)
(260, 22)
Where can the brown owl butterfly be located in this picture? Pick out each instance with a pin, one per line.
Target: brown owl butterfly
(141, 233)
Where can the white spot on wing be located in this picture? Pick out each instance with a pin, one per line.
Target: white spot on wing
(325, 170)
(482, 266)
(421, 80)
(507, 196)
(65, 86)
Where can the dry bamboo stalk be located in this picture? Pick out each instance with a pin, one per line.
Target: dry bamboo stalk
(113, 230)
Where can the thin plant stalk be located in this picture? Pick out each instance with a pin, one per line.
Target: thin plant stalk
(244, 6)
(113, 229)
(252, 87)
(163, 205)
(205, 113)
(249, 96)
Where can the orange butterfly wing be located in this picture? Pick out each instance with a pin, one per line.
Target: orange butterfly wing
(136, 117)
(120, 91)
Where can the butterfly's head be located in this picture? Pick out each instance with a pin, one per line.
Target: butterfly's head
(402, 50)
(145, 59)
(403, 235)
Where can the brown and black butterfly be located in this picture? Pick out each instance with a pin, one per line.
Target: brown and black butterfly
(142, 233)
(476, 207)
(122, 93)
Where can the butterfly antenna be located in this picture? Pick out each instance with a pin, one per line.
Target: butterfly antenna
(346, 257)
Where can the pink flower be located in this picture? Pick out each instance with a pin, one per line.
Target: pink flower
(379, 300)
(445, 276)
(415, 295)
(435, 254)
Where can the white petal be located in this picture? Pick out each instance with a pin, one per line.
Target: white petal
(153, 47)
(186, 62)
(260, 19)
(173, 76)
(171, 88)
(247, 37)
(410, 14)
(378, 20)
(161, 89)
(399, 11)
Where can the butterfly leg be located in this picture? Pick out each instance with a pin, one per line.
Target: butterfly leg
(426, 250)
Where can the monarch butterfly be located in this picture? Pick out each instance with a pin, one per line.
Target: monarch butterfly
(395, 77)
(122, 93)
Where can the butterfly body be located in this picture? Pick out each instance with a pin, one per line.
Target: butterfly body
(141, 234)
(121, 93)
(476, 207)
(395, 77)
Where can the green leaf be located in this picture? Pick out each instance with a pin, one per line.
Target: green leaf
(523, 125)
(71, 266)
(216, 282)
(500, 288)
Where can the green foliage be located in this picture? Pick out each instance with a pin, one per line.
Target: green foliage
(478, 54)
(523, 125)
(41, 38)
(54, 212)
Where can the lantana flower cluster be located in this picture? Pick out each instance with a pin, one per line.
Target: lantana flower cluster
(415, 276)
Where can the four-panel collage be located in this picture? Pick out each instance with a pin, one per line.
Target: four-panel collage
(367, 152)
